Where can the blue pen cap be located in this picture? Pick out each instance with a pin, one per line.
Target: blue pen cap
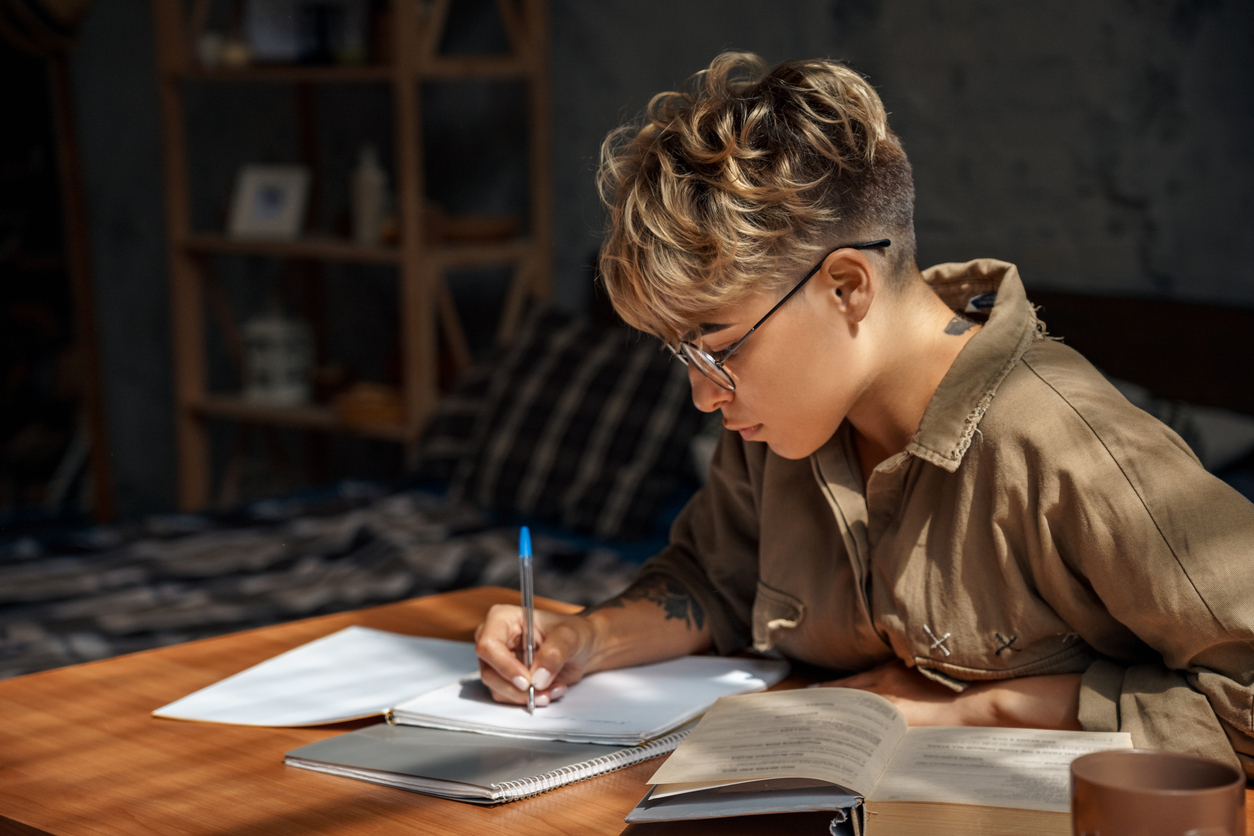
(524, 542)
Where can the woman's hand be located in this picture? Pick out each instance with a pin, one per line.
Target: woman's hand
(565, 645)
(653, 619)
(1036, 702)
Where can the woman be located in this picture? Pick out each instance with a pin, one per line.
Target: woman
(915, 485)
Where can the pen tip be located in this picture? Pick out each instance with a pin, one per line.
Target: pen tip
(524, 542)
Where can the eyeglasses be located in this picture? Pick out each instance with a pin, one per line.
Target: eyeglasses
(712, 366)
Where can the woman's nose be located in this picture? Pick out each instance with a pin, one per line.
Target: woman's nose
(706, 394)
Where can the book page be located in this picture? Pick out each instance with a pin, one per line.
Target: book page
(357, 672)
(1026, 769)
(837, 735)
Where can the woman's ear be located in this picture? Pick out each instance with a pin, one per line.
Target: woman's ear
(850, 282)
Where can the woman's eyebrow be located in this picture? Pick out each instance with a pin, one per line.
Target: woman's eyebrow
(704, 328)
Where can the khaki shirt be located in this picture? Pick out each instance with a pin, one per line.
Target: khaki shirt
(1037, 523)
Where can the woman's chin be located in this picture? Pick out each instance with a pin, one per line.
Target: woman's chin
(788, 449)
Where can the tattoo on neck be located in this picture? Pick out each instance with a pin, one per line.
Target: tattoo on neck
(958, 326)
(671, 596)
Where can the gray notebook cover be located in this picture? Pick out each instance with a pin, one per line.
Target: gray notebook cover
(451, 764)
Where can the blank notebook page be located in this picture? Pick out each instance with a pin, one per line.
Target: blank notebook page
(629, 705)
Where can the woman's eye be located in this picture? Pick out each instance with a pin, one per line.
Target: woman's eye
(716, 353)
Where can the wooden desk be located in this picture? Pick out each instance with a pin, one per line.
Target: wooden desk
(80, 753)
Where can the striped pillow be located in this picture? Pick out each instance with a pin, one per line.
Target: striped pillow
(449, 435)
(587, 427)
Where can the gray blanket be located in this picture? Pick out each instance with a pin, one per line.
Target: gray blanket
(164, 587)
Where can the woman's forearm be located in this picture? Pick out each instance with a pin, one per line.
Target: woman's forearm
(655, 618)
(1035, 702)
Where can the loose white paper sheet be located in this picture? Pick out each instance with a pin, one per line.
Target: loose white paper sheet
(357, 672)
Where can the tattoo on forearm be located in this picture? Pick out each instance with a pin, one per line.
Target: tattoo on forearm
(672, 597)
(958, 326)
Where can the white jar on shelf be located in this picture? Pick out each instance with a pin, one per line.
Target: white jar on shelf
(278, 359)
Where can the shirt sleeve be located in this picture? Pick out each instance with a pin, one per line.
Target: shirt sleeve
(1168, 549)
(1161, 709)
(713, 550)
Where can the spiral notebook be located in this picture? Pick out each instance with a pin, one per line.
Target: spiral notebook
(480, 769)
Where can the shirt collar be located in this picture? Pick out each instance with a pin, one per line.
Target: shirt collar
(964, 394)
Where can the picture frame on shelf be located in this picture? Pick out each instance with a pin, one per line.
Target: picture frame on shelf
(269, 202)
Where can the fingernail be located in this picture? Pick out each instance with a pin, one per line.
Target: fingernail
(520, 682)
(557, 691)
(815, 685)
(541, 679)
(542, 699)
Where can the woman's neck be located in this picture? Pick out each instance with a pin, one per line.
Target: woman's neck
(918, 338)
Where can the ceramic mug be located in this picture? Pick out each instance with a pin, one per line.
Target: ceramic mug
(1140, 792)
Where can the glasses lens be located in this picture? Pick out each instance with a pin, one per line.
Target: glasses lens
(705, 364)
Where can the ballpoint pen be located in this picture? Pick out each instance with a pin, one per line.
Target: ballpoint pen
(529, 610)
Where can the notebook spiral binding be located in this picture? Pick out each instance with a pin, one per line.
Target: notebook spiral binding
(623, 758)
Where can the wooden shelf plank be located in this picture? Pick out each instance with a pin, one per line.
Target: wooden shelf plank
(488, 252)
(320, 418)
(288, 73)
(474, 66)
(467, 254)
(444, 67)
(322, 249)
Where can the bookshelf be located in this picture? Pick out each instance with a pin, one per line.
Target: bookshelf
(428, 320)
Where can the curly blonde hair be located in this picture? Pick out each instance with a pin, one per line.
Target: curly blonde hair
(740, 182)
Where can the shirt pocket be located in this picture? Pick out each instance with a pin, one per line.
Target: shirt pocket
(774, 612)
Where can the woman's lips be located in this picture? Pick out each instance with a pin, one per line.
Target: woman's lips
(747, 433)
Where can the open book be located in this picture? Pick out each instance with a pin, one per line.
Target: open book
(360, 672)
(838, 749)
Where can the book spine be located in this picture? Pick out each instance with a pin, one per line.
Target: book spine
(623, 758)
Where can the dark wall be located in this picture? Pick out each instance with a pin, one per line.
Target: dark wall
(120, 142)
(611, 56)
(1104, 147)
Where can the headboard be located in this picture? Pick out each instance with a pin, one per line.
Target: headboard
(1200, 354)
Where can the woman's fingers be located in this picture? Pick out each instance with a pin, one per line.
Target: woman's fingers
(563, 639)
(496, 642)
(502, 689)
(516, 692)
(559, 658)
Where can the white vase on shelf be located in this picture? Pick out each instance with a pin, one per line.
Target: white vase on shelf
(369, 197)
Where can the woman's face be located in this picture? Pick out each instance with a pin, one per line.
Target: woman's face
(797, 377)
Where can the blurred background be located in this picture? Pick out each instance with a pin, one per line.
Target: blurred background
(253, 248)
(1103, 147)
